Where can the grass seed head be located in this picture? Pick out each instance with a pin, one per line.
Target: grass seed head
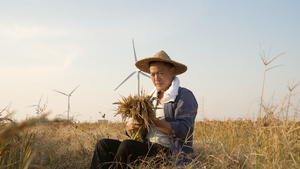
(138, 108)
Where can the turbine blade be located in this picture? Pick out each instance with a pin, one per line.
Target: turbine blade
(125, 80)
(40, 101)
(134, 51)
(145, 74)
(32, 106)
(60, 92)
(73, 90)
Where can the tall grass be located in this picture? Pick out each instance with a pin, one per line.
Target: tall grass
(15, 148)
(17, 142)
(291, 88)
(270, 141)
(218, 144)
(266, 61)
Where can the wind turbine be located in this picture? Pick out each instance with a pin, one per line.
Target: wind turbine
(38, 108)
(69, 95)
(138, 71)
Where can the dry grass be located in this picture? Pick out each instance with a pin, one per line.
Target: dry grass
(271, 141)
(138, 107)
(71, 145)
(218, 144)
(16, 143)
(266, 61)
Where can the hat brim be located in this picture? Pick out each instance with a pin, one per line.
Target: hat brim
(144, 66)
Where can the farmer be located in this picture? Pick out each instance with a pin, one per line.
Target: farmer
(171, 129)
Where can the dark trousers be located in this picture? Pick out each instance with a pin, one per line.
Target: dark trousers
(111, 153)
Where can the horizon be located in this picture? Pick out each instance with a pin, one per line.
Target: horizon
(58, 45)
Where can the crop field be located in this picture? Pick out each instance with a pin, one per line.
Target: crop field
(272, 140)
(40, 143)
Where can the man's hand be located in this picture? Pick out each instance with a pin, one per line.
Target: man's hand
(162, 125)
(133, 126)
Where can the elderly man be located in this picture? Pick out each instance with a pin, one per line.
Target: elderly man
(171, 130)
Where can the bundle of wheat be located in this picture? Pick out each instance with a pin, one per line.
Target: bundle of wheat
(139, 108)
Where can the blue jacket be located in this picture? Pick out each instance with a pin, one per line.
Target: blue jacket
(181, 114)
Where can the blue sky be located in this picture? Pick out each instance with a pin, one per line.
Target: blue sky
(48, 45)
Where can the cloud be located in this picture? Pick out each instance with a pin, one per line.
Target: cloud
(18, 31)
(13, 71)
(25, 48)
(68, 60)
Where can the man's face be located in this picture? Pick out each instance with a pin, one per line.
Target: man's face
(162, 75)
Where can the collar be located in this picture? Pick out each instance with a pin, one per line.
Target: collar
(171, 93)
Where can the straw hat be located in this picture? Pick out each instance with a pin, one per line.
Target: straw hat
(161, 56)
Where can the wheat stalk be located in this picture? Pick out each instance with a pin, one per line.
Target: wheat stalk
(139, 108)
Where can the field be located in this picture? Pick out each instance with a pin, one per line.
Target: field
(270, 141)
(39, 143)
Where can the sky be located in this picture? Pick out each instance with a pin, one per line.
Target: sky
(60, 44)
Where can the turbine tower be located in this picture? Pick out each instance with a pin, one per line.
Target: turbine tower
(69, 95)
(138, 71)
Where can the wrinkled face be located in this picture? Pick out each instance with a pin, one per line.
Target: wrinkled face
(162, 75)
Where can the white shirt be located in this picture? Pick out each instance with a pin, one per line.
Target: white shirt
(155, 135)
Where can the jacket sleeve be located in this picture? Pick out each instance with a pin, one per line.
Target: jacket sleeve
(184, 115)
